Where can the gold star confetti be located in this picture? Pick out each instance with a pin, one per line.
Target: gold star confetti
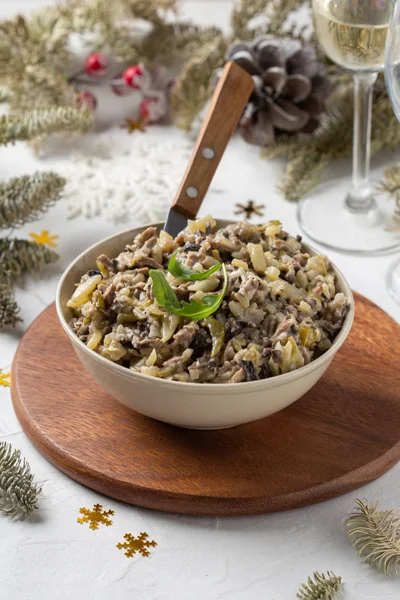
(250, 209)
(44, 238)
(5, 379)
(131, 125)
(139, 544)
(95, 516)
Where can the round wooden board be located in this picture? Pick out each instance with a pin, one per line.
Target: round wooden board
(344, 433)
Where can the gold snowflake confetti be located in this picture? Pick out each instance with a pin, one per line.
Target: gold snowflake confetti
(139, 544)
(44, 238)
(131, 125)
(95, 516)
(5, 379)
(250, 209)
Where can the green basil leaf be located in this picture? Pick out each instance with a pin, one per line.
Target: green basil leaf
(194, 309)
(180, 271)
(163, 292)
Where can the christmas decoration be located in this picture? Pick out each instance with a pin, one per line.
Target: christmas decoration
(116, 191)
(4, 379)
(86, 99)
(376, 536)
(250, 209)
(24, 199)
(154, 108)
(40, 123)
(323, 587)
(290, 88)
(8, 308)
(137, 77)
(18, 493)
(133, 125)
(95, 516)
(44, 238)
(139, 544)
(96, 65)
(18, 257)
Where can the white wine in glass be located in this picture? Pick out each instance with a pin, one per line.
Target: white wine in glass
(349, 215)
(392, 78)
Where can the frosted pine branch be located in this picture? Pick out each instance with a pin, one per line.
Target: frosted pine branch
(18, 493)
(8, 307)
(30, 125)
(18, 257)
(24, 199)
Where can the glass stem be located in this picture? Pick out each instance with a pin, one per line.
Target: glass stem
(360, 199)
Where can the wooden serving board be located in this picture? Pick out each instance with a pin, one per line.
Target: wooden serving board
(344, 433)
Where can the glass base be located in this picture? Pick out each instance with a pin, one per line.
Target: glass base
(324, 217)
(393, 281)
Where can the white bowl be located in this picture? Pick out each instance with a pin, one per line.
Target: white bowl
(191, 405)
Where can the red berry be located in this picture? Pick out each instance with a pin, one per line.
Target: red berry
(96, 64)
(86, 99)
(133, 76)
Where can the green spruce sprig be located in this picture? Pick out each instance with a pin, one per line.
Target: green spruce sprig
(18, 492)
(24, 199)
(322, 587)
(8, 307)
(375, 535)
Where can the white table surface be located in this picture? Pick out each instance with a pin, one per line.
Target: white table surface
(251, 558)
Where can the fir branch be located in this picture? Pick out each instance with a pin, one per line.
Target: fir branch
(18, 257)
(376, 536)
(309, 157)
(44, 122)
(390, 184)
(18, 493)
(324, 587)
(193, 87)
(274, 15)
(243, 12)
(8, 307)
(24, 199)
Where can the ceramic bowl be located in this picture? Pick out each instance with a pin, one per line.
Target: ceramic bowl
(191, 405)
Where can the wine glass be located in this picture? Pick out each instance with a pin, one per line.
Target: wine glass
(392, 78)
(350, 216)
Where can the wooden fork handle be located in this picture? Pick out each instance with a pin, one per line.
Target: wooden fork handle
(226, 107)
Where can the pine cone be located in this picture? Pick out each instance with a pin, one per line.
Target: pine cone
(290, 88)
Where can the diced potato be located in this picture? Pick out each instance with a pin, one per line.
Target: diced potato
(257, 257)
(273, 228)
(166, 242)
(236, 308)
(243, 299)
(272, 273)
(82, 293)
(305, 307)
(240, 264)
(201, 224)
(204, 285)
